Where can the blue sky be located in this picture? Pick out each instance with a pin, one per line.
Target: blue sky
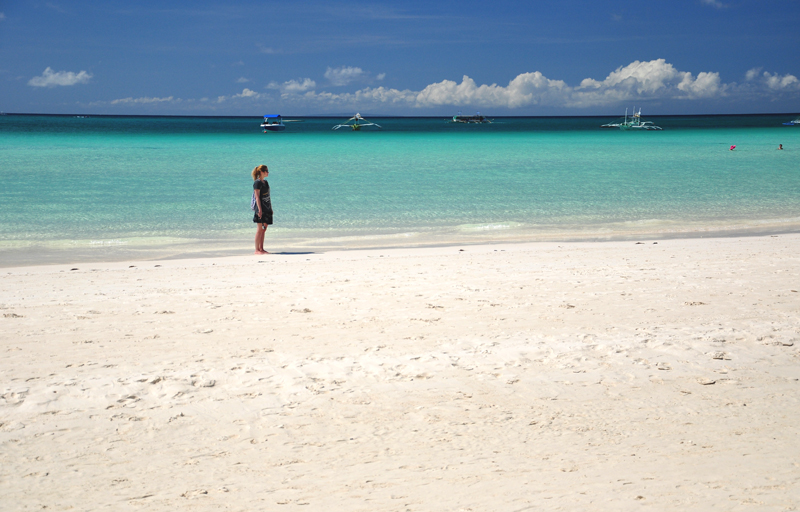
(297, 57)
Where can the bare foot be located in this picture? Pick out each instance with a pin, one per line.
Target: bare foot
(261, 252)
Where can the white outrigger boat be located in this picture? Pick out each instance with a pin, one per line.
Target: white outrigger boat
(355, 124)
(796, 122)
(273, 123)
(633, 123)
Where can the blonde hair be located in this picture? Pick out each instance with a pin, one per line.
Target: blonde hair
(258, 171)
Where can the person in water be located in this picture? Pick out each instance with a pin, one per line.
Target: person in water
(263, 214)
(780, 146)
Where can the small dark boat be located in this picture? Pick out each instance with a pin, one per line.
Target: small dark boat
(476, 119)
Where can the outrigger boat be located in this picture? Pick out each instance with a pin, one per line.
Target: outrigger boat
(796, 122)
(476, 119)
(273, 123)
(633, 123)
(355, 124)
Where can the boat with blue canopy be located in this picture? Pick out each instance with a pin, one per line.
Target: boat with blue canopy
(273, 123)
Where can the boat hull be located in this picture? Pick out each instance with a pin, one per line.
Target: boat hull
(273, 127)
(478, 119)
(633, 123)
(635, 128)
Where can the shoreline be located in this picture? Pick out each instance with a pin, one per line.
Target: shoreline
(19, 253)
(488, 377)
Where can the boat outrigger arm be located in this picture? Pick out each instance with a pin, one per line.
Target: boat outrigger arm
(355, 123)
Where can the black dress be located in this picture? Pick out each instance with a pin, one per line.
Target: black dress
(266, 203)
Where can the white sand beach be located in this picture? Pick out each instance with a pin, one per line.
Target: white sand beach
(545, 376)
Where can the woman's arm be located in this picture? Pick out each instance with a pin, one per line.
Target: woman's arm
(258, 201)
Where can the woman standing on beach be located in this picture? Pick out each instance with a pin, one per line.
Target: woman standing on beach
(263, 215)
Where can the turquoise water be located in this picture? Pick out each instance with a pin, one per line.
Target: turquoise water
(102, 187)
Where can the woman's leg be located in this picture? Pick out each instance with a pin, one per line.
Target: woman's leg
(263, 233)
(259, 239)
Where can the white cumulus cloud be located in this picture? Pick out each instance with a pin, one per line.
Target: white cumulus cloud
(143, 100)
(525, 89)
(344, 75)
(772, 82)
(638, 81)
(242, 80)
(246, 93)
(293, 86)
(51, 78)
(781, 83)
(643, 80)
(752, 74)
(714, 3)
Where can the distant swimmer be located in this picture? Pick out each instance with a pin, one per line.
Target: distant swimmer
(733, 147)
(780, 146)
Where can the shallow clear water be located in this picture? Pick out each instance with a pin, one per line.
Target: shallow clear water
(76, 183)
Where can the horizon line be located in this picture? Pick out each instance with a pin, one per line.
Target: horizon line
(383, 116)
